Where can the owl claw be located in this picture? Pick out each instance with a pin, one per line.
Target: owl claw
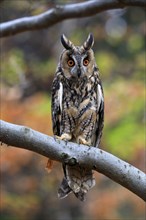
(66, 141)
(65, 137)
(82, 140)
(57, 139)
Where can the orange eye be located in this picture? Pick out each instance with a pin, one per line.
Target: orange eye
(86, 62)
(70, 63)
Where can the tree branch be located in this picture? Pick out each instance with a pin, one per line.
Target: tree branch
(60, 13)
(71, 153)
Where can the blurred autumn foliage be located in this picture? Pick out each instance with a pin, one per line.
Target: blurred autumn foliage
(28, 63)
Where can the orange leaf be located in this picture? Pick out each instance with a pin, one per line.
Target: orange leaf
(49, 165)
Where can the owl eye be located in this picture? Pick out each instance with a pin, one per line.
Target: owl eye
(71, 63)
(85, 62)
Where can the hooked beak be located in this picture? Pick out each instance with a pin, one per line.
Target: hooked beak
(76, 73)
(79, 72)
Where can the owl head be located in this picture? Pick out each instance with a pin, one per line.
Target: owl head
(77, 62)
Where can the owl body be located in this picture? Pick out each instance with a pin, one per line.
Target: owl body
(77, 110)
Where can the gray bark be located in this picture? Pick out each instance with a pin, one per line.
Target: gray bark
(60, 13)
(70, 153)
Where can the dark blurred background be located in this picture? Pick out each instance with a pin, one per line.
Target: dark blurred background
(28, 64)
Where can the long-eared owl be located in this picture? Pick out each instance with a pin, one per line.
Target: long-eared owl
(77, 110)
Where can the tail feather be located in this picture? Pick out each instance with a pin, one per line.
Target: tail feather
(77, 180)
(64, 189)
(81, 196)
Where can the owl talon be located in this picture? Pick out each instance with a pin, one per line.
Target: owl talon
(57, 139)
(66, 137)
(66, 141)
(82, 140)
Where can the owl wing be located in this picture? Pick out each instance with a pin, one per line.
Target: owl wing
(100, 108)
(57, 94)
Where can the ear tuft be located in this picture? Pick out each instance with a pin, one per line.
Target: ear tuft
(66, 43)
(89, 42)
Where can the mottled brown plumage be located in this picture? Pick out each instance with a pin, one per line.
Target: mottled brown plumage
(77, 109)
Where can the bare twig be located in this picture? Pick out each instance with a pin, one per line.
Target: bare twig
(60, 13)
(71, 153)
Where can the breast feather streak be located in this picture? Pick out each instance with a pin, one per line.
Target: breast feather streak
(100, 96)
(60, 95)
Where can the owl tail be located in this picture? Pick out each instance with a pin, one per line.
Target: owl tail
(77, 180)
